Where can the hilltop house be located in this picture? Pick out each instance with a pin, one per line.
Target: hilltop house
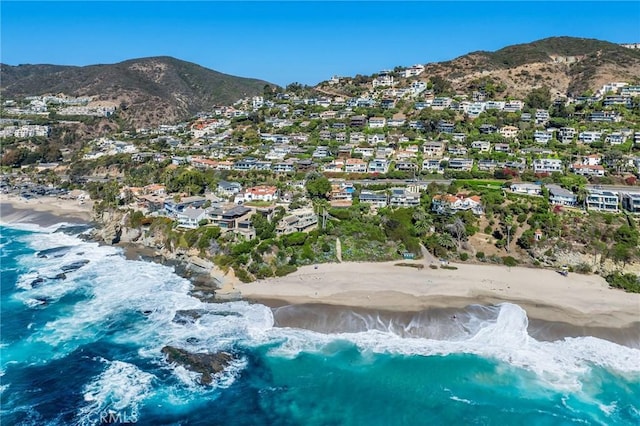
(228, 189)
(587, 169)
(631, 202)
(433, 149)
(355, 165)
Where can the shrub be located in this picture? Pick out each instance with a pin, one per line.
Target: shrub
(480, 256)
(582, 268)
(135, 219)
(411, 265)
(283, 270)
(264, 271)
(464, 256)
(627, 282)
(243, 275)
(295, 239)
(509, 261)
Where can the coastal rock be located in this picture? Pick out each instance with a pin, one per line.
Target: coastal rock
(74, 266)
(36, 283)
(188, 316)
(53, 252)
(129, 235)
(117, 235)
(206, 364)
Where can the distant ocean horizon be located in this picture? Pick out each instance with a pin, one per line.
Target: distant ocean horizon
(84, 348)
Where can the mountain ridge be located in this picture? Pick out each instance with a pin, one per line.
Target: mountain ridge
(149, 90)
(567, 65)
(157, 89)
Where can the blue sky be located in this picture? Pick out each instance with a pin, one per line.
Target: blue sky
(305, 42)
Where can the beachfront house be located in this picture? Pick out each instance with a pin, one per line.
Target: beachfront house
(301, 220)
(228, 218)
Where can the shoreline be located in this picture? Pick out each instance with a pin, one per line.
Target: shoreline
(575, 302)
(43, 211)
(579, 300)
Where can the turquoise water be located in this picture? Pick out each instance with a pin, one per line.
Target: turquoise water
(86, 350)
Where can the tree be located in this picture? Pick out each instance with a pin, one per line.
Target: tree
(440, 85)
(445, 241)
(508, 226)
(539, 98)
(457, 229)
(318, 186)
(422, 222)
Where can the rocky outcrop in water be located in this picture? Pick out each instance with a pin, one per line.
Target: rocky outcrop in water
(74, 266)
(206, 364)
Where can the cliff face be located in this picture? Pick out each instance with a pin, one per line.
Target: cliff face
(154, 244)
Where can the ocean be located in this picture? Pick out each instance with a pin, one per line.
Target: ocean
(84, 348)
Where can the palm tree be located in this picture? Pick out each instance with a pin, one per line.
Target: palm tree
(445, 241)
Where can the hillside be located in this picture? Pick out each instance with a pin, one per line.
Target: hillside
(566, 65)
(149, 90)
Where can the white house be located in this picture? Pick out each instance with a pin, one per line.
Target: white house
(482, 146)
(377, 122)
(259, 193)
(190, 217)
(547, 165)
(509, 132)
(355, 165)
(587, 170)
(526, 188)
(589, 136)
(378, 165)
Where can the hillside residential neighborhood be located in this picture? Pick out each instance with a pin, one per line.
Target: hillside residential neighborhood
(303, 160)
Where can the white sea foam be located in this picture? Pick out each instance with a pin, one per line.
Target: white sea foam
(136, 303)
(561, 364)
(119, 389)
(147, 296)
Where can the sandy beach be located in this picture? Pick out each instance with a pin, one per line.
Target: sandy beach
(43, 211)
(582, 300)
